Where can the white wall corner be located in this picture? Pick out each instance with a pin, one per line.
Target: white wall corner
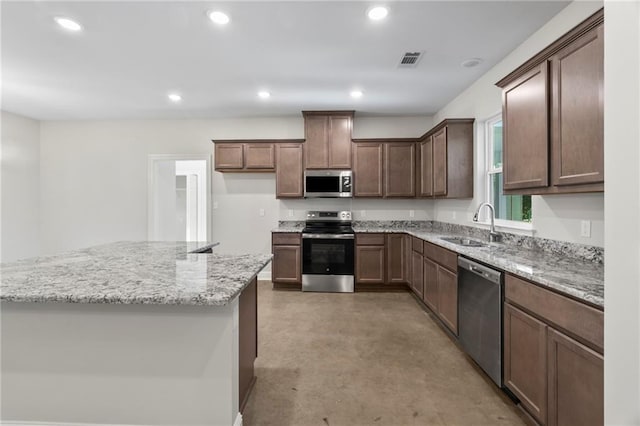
(238, 421)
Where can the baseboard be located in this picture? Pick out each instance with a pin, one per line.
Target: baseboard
(237, 422)
(25, 423)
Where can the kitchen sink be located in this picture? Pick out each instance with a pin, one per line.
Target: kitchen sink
(463, 241)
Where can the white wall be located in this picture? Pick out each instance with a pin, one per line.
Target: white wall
(622, 206)
(20, 187)
(558, 216)
(94, 179)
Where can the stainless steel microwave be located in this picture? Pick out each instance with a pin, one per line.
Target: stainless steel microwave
(328, 184)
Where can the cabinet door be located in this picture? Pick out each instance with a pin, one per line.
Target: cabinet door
(430, 284)
(259, 156)
(425, 172)
(416, 273)
(367, 169)
(286, 265)
(370, 264)
(339, 142)
(440, 162)
(577, 114)
(247, 339)
(316, 133)
(406, 241)
(396, 256)
(229, 156)
(525, 360)
(399, 170)
(525, 131)
(448, 298)
(576, 383)
(289, 169)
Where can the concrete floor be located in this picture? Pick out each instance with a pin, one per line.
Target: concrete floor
(364, 359)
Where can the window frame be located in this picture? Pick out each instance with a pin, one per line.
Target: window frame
(489, 170)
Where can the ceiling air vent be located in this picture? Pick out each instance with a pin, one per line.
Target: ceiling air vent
(410, 60)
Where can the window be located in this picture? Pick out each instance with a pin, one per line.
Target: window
(514, 210)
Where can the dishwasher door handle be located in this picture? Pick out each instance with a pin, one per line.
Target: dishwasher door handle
(481, 270)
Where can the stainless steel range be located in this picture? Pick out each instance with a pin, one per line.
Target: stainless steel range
(328, 252)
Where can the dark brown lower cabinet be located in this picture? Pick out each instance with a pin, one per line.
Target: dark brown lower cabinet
(286, 265)
(525, 360)
(417, 274)
(430, 269)
(247, 340)
(448, 298)
(396, 258)
(558, 379)
(576, 382)
(370, 265)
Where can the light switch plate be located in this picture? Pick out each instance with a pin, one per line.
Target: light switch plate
(363, 213)
(261, 212)
(412, 213)
(290, 212)
(585, 228)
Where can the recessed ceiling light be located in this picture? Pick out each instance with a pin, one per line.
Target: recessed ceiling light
(356, 93)
(263, 94)
(218, 17)
(68, 24)
(377, 13)
(174, 97)
(472, 62)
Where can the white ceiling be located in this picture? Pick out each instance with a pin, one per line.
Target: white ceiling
(309, 55)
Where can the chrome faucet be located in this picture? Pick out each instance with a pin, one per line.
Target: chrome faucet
(493, 235)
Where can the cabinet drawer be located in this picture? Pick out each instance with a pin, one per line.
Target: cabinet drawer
(284, 238)
(370, 239)
(582, 321)
(416, 244)
(444, 257)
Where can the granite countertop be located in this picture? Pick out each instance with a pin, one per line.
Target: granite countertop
(161, 273)
(581, 278)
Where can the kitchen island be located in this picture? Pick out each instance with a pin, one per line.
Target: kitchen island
(129, 333)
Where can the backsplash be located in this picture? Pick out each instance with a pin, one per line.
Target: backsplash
(561, 248)
(582, 252)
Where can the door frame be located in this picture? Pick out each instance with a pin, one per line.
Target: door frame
(151, 160)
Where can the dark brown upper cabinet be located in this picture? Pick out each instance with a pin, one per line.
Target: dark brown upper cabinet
(328, 139)
(289, 170)
(425, 168)
(368, 169)
(577, 111)
(399, 170)
(445, 160)
(245, 157)
(229, 156)
(248, 155)
(525, 125)
(383, 168)
(553, 116)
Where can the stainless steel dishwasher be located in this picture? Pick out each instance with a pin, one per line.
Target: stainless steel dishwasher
(480, 315)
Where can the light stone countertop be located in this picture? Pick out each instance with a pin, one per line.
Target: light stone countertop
(581, 279)
(141, 272)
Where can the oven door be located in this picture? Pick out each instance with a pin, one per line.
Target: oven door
(327, 262)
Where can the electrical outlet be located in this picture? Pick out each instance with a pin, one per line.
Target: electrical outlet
(412, 213)
(363, 213)
(290, 212)
(215, 205)
(454, 215)
(585, 228)
(261, 212)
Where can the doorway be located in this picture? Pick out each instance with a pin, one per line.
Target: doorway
(179, 197)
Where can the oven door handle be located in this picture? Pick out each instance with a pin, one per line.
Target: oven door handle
(329, 236)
